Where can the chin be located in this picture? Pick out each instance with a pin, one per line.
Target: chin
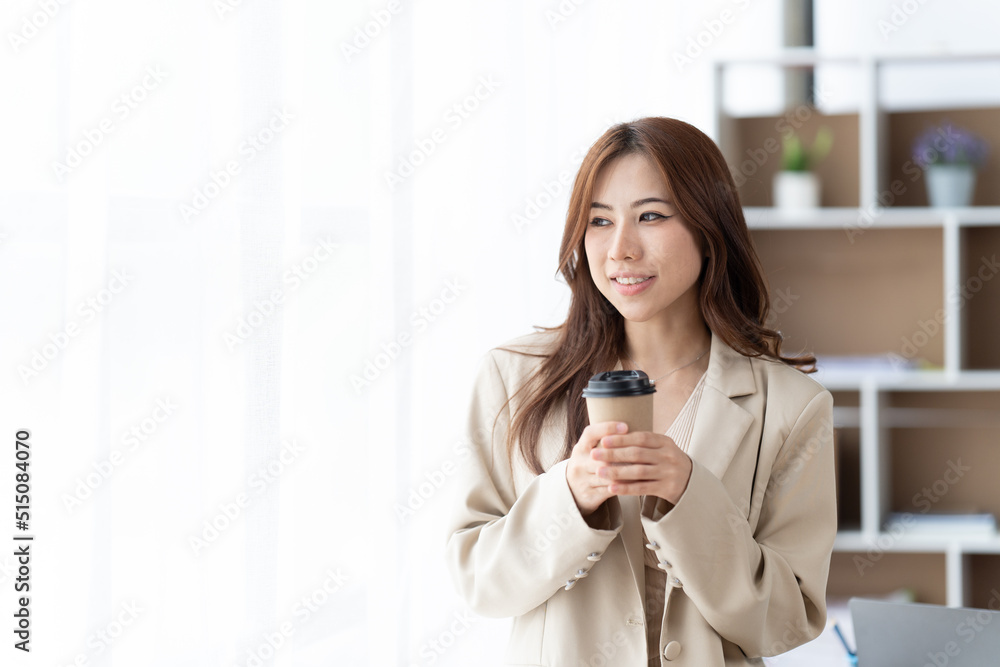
(634, 316)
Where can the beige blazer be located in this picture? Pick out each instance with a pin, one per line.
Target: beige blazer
(746, 548)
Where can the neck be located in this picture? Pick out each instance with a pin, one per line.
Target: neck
(664, 343)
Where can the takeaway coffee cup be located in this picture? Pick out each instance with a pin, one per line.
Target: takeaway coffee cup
(624, 396)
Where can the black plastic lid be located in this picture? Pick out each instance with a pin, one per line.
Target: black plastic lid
(618, 383)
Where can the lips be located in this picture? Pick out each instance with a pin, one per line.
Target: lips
(627, 289)
(627, 274)
(622, 280)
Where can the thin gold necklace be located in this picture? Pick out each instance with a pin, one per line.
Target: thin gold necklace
(653, 382)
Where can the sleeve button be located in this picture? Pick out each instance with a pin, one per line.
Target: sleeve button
(594, 557)
(652, 545)
(570, 584)
(581, 573)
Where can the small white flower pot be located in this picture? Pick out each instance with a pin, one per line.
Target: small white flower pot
(950, 184)
(796, 190)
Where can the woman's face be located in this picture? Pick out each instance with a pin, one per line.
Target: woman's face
(635, 232)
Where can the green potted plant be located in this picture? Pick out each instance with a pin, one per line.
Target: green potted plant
(796, 186)
(950, 157)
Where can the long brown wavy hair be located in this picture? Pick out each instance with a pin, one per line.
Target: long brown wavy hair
(733, 294)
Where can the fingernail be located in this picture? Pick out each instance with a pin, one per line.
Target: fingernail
(622, 427)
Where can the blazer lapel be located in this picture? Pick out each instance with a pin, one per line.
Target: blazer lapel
(720, 422)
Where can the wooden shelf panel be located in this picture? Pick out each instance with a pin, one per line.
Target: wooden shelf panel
(847, 454)
(848, 465)
(980, 294)
(868, 573)
(836, 297)
(983, 581)
(943, 468)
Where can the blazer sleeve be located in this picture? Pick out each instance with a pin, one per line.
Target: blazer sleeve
(763, 590)
(507, 554)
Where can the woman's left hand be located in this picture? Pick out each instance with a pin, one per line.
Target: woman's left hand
(643, 463)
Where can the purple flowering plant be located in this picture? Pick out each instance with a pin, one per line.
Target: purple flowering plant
(949, 144)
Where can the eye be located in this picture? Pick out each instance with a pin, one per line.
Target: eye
(653, 214)
(599, 222)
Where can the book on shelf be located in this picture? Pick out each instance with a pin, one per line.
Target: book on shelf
(943, 524)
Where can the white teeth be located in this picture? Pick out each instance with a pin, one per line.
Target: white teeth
(631, 281)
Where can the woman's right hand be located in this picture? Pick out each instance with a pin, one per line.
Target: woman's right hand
(588, 489)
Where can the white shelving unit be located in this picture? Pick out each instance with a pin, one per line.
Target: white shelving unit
(877, 407)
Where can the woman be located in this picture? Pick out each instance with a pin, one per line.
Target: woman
(705, 542)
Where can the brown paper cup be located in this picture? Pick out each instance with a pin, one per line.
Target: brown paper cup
(636, 411)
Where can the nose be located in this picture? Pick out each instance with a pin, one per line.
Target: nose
(625, 243)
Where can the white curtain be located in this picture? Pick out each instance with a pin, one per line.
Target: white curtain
(250, 253)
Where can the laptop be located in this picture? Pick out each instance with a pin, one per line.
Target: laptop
(891, 634)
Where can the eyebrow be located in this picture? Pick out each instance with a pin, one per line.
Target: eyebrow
(636, 204)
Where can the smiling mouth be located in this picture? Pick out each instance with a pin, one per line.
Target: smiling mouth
(631, 281)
